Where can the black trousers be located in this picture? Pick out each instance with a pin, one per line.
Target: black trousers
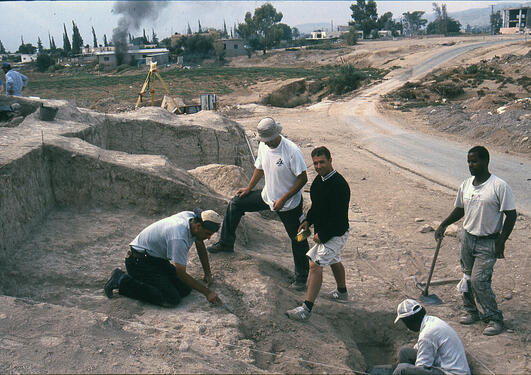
(253, 202)
(153, 280)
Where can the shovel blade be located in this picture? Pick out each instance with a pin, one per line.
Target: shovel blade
(430, 299)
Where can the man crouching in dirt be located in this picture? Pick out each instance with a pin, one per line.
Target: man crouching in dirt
(438, 350)
(330, 196)
(483, 199)
(282, 165)
(151, 277)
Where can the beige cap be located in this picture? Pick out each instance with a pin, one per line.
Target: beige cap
(268, 129)
(210, 219)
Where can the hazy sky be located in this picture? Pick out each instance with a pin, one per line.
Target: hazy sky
(33, 19)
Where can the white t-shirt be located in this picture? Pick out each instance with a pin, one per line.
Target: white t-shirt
(484, 205)
(281, 167)
(439, 346)
(169, 238)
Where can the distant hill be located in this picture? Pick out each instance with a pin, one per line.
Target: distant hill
(476, 16)
(472, 17)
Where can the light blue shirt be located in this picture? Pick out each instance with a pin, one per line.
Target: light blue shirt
(15, 81)
(169, 238)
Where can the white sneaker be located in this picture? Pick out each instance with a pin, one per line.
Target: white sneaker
(300, 313)
(337, 296)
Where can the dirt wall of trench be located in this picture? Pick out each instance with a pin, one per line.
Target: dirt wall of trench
(26, 196)
(187, 143)
(70, 172)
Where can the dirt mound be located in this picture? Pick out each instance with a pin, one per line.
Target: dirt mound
(487, 101)
(223, 179)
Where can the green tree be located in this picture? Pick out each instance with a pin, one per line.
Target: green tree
(364, 16)
(105, 43)
(224, 32)
(144, 37)
(189, 30)
(2, 48)
(77, 41)
(44, 61)
(351, 37)
(40, 48)
(199, 29)
(26, 48)
(261, 30)
(386, 22)
(295, 33)
(413, 22)
(95, 40)
(496, 22)
(67, 47)
(154, 38)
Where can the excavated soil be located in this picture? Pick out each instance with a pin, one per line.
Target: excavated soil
(75, 191)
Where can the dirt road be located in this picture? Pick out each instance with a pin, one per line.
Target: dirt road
(438, 159)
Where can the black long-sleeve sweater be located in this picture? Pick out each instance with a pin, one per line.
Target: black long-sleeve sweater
(329, 211)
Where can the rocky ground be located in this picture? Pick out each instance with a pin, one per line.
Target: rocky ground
(101, 191)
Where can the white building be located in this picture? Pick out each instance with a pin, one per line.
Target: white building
(27, 58)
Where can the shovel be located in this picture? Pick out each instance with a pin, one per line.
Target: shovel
(430, 299)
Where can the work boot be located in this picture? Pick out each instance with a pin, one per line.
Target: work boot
(113, 282)
(299, 313)
(219, 247)
(469, 318)
(336, 296)
(493, 328)
(298, 286)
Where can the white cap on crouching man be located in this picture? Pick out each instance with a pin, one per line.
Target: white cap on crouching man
(407, 308)
(209, 219)
(268, 129)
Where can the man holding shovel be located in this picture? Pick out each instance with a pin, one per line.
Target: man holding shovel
(330, 196)
(483, 199)
(156, 262)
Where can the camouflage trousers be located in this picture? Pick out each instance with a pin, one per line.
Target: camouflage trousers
(478, 256)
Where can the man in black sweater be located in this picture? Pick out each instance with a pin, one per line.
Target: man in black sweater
(330, 195)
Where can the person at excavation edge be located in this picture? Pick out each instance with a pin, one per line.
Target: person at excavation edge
(281, 163)
(438, 349)
(15, 81)
(156, 261)
(330, 195)
(483, 199)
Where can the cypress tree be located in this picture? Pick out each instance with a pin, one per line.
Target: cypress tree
(67, 47)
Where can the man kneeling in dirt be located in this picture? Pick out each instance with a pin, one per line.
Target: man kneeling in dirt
(330, 196)
(151, 277)
(438, 350)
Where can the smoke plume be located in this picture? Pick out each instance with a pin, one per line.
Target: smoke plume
(133, 13)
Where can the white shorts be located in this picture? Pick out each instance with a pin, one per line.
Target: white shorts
(328, 253)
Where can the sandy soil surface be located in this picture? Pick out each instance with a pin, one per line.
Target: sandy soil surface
(55, 318)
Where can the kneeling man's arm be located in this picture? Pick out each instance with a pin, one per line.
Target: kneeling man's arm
(210, 295)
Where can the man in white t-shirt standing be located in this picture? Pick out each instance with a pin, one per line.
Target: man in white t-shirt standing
(483, 200)
(282, 165)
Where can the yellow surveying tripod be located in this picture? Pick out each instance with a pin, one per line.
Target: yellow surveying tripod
(149, 83)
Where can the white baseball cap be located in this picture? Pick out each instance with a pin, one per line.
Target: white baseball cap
(406, 308)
